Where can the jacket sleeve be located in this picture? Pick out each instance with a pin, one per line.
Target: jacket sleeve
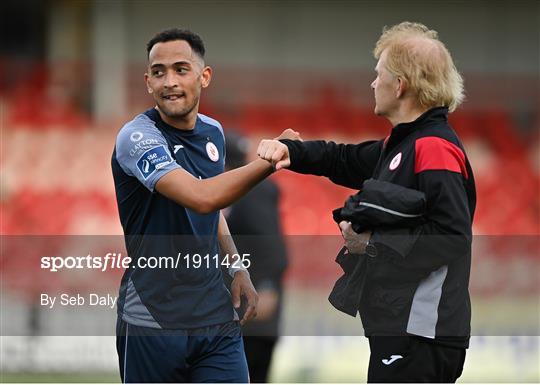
(344, 164)
(446, 234)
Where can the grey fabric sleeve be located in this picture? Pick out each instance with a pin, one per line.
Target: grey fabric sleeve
(142, 151)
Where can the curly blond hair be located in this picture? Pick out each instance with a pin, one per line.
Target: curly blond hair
(415, 54)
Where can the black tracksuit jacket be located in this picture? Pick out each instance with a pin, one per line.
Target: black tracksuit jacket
(418, 283)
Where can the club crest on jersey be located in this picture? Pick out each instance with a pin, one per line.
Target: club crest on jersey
(395, 162)
(212, 151)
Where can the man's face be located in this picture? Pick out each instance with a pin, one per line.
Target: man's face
(174, 77)
(385, 87)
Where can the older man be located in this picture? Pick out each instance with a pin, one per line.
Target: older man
(414, 305)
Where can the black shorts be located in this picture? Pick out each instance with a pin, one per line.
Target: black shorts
(413, 359)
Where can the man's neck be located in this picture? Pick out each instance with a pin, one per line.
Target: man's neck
(406, 114)
(185, 123)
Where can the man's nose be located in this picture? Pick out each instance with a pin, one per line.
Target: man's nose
(373, 84)
(170, 80)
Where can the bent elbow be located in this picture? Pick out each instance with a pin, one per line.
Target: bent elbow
(205, 205)
(204, 208)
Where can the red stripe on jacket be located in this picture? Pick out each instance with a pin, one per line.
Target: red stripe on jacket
(434, 153)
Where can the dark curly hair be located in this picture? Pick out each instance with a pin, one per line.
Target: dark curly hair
(194, 40)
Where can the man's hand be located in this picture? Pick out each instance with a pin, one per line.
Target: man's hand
(289, 133)
(274, 152)
(355, 243)
(242, 286)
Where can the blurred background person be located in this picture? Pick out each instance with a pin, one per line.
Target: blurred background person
(254, 222)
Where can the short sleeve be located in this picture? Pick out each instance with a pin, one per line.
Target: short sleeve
(143, 152)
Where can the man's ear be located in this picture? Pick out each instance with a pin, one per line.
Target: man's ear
(401, 87)
(150, 90)
(206, 76)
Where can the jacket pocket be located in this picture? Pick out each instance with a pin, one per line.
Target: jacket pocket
(390, 299)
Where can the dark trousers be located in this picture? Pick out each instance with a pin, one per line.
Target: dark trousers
(413, 359)
(259, 355)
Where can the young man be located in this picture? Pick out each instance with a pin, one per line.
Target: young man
(414, 304)
(176, 322)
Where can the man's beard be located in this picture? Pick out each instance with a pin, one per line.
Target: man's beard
(178, 114)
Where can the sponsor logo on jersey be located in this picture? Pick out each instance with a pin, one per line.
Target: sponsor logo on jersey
(136, 136)
(141, 146)
(395, 162)
(153, 160)
(212, 151)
